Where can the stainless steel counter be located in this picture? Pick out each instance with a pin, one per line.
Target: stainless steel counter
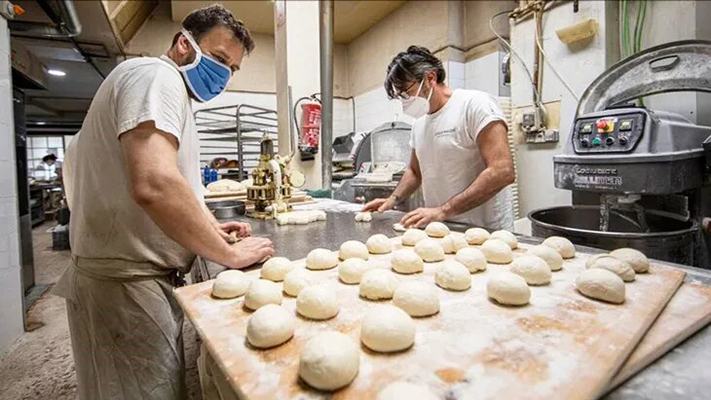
(683, 373)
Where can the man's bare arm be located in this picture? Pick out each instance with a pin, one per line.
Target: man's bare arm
(410, 181)
(159, 188)
(498, 173)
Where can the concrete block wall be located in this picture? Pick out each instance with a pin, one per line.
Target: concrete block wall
(11, 294)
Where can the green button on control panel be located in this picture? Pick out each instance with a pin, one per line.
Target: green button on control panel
(596, 142)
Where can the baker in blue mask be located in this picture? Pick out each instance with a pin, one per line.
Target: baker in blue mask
(139, 221)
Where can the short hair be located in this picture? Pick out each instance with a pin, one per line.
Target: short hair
(411, 66)
(203, 20)
(49, 157)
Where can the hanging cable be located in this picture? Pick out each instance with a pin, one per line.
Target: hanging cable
(537, 95)
(547, 59)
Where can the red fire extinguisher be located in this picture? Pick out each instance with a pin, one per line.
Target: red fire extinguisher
(310, 126)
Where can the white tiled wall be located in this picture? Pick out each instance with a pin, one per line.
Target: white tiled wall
(11, 311)
(374, 108)
(342, 117)
(456, 77)
(483, 74)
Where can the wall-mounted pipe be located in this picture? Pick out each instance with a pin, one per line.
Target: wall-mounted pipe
(66, 25)
(326, 58)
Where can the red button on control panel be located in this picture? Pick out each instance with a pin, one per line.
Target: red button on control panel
(601, 124)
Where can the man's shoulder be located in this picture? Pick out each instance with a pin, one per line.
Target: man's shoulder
(473, 94)
(147, 65)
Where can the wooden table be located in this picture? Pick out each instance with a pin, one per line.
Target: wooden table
(562, 345)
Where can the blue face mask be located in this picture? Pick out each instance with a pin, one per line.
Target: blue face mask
(205, 76)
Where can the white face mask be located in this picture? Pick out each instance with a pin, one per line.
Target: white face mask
(417, 106)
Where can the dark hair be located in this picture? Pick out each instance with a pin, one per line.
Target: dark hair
(49, 157)
(203, 20)
(411, 66)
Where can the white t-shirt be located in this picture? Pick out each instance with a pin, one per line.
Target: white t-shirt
(446, 147)
(106, 223)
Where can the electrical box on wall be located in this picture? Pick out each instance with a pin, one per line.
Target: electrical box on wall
(533, 125)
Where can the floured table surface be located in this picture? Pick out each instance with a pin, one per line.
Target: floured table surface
(561, 345)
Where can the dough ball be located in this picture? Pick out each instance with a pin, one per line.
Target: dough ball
(476, 235)
(453, 243)
(270, 326)
(353, 249)
(533, 269)
(471, 258)
(429, 250)
(418, 299)
(453, 275)
(619, 267)
(351, 270)
(397, 227)
(378, 284)
(601, 284)
(401, 390)
(507, 237)
(406, 261)
(549, 255)
(296, 280)
(224, 185)
(437, 230)
(508, 288)
(318, 259)
(591, 260)
(387, 329)
(329, 361)
(318, 302)
(564, 246)
(413, 236)
(363, 217)
(635, 258)
(262, 292)
(276, 268)
(230, 284)
(497, 251)
(379, 244)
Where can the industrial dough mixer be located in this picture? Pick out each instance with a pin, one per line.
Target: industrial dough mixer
(640, 177)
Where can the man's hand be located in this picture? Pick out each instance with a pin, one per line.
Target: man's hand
(241, 229)
(251, 250)
(422, 216)
(380, 205)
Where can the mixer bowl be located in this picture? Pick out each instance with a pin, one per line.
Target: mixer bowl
(669, 238)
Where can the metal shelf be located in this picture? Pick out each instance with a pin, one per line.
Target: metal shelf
(234, 132)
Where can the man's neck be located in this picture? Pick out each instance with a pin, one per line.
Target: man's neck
(440, 96)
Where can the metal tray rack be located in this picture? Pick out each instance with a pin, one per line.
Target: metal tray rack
(234, 132)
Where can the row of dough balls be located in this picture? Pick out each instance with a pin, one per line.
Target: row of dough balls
(389, 329)
(272, 325)
(605, 274)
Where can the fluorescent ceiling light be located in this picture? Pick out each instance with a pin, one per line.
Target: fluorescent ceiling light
(41, 122)
(56, 72)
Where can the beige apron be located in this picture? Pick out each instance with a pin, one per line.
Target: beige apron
(126, 330)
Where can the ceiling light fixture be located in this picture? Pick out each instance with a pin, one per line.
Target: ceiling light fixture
(56, 72)
(40, 122)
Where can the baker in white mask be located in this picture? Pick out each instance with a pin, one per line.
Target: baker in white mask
(460, 153)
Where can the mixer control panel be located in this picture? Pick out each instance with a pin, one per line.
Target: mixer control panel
(610, 134)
